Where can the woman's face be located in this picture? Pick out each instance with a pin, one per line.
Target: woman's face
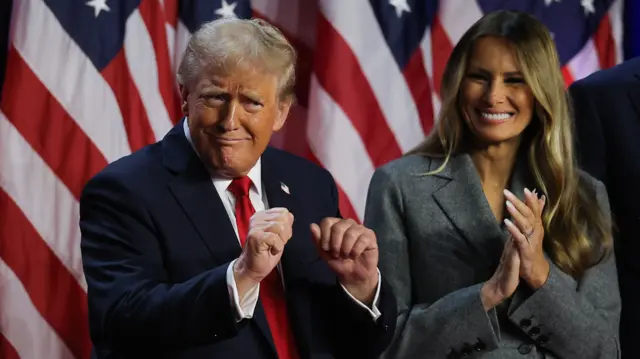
(497, 104)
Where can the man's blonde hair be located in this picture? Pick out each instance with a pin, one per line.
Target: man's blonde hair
(229, 42)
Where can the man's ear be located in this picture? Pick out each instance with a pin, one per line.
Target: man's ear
(283, 112)
(184, 95)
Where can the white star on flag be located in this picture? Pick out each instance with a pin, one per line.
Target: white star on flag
(588, 7)
(98, 6)
(227, 10)
(548, 2)
(400, 5)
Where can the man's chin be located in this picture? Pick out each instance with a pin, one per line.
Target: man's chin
(231, 169)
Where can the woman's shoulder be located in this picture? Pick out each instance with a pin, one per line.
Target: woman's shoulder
(591, 183)
(409, 165)
(408, 172)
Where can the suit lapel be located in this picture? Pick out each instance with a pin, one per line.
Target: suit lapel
(299, 251)
(193, 189)
(634, 95)
(462, 200)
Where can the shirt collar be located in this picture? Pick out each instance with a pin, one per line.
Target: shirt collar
(221, 183)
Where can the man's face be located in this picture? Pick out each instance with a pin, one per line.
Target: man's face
(232, 115)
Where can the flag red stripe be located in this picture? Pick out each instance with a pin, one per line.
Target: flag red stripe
(171, 12)
(7, 351)
(47, 127)
(441, 48)
(154, 20)
(568, 77)
(604, 43)
(304, 66)
(54, 292)
(343, 79)
(134, 115)
(418, 81)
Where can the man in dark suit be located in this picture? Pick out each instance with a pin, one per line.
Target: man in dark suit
(209, 244)
(607, 120)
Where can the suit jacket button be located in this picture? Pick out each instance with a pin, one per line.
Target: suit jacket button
(525, 348)
(466, 351)
(543, 339)
(534, 331)
(479, 346)
(525, 323)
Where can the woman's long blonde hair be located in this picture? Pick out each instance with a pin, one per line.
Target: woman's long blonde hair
(578, 234)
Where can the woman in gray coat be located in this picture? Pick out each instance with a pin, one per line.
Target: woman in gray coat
(495, 243)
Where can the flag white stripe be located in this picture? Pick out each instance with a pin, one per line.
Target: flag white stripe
(70, 76)
(364, 36)
(182, 40)
(338, 146)
(143, 67)
(617, 22)
(585, 62)
(44, 200)
(171, 43)
(457, 16)
(427, 58)
(21, 323)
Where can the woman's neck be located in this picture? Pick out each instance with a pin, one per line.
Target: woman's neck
(495, 164)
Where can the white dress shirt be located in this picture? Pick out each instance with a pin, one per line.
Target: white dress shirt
(245, 308)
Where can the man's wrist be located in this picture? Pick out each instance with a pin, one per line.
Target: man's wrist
(363, 291)
(244, 281)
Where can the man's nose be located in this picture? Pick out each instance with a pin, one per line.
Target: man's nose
(228, 120)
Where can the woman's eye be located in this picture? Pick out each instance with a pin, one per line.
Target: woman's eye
(477, 76)
(514, 80)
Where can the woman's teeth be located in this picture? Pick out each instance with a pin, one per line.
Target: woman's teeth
(496, 116)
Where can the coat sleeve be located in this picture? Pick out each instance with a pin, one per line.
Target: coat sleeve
(589, 133)
(575, 320)
(132, 302)
(456, 322)
(354, 332)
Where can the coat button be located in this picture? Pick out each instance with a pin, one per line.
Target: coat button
(543, 339)
(525, 348)
(479, 346)
(525, 323)
(534, 331)
(466, 351)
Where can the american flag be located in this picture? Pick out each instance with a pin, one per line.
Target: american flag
(90, 81)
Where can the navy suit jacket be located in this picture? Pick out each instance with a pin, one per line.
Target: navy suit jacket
(607, 120)
(156, 244)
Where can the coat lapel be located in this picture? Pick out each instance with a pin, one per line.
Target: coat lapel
(462, 200)
(299, 251)
(634, 95)
(193, 189)
(281, 192)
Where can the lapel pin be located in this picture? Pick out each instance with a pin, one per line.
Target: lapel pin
(284, 188)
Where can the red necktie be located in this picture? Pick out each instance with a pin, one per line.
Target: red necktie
(271, 291)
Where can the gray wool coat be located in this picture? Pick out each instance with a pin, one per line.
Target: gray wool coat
(439, 241)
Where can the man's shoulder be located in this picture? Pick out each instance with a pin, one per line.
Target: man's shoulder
(295, 165)
(133, 170)
(616, 76)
